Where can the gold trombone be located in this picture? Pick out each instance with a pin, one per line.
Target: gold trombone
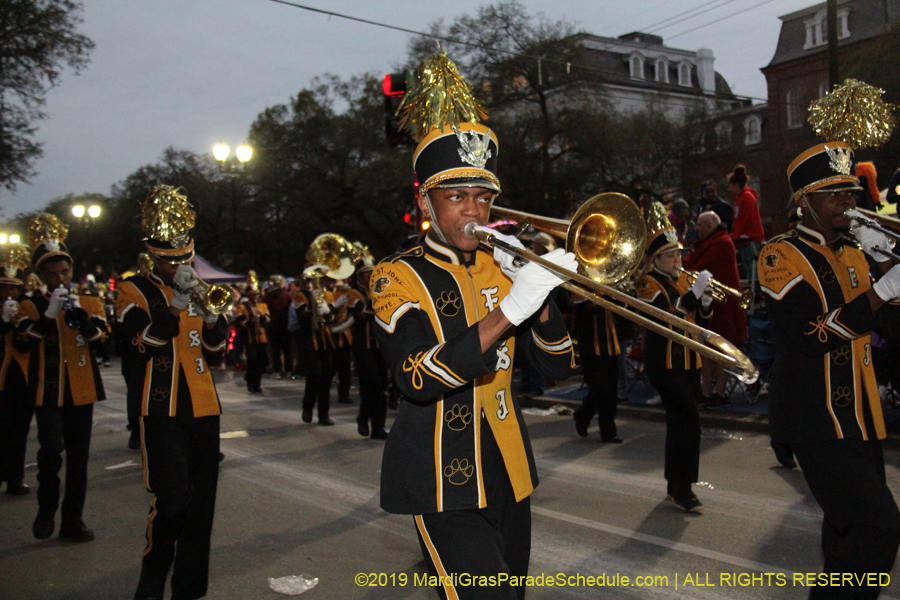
(607, 236)
(718, 290)
(212, 298)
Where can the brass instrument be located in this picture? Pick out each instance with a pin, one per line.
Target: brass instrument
(75, 316)
(718, 290)
(329, 255)
(889, 226)
(212, 298)
(607, 236)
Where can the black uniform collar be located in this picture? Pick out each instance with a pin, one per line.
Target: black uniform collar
(817, 239)
(446, 253)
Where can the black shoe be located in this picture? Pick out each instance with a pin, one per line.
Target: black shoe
(581, 427)
(326, 422)
(221, 456)
(784, 454)
(613, 440)
(307, 416)
(362, 426)
(17, 489)
(76, 532)
(715, 401)
(43, 526)
(134, 442)
(346, 400)
(684, 498)
(379, 434)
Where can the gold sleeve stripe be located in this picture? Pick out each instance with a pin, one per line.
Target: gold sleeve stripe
(787, 287)
(440, 373)
(150, 339)
(553, 348)
(30, 331)
(216, 348)
(125, 312)
(652, 298)
(401, 310)
(96, 336)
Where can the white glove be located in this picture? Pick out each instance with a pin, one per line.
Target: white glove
(502, 256)
(533, 284)
(180, 299)
(185, 278)
(57, 301)
(869, 239)
(342, 301)
(706, 301)
(322, 308)
(209, 318)
(701, 283)
(888, 287)
(10, 310)
(74, 301)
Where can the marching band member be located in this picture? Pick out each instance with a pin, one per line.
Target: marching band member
(824, 399)
(171, 338)
(252, 317)
(449, 316)
(316, 349)
(673, 370)
(343, 338)
(16, 404)
(59, 329)
(598, 346)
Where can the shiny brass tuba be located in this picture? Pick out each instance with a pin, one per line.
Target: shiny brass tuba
(607, 236)
(329, 255)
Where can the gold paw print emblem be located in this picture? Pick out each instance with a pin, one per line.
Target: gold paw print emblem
(458, 417)
(162, 363)
(826, 274)
(842, 396)
(449, 304)
(157, 304)
(841, 354)
(458, 471)
(160, 394)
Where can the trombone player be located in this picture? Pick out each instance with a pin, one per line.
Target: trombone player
(449, 315)
(171, 336)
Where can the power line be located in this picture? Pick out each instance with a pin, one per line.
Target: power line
(672, 37)
(680, 17)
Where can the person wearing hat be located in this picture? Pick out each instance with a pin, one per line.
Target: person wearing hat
(450, 316)
(252, 317)
(16, 404)
(673, 370)
(314, 307)
(279, 301)
(60, 329)
(171, 337)
(823, 306)
(370, 365)
(342, 330)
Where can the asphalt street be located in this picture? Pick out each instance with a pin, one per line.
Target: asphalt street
(296, 498)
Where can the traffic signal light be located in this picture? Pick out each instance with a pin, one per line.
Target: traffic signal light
(395, 86)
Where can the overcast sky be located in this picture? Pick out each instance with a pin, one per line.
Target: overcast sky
(191, 73)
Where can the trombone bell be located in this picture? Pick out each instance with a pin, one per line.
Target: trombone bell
(212, 298)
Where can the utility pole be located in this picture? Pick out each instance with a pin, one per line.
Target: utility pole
(831, 18)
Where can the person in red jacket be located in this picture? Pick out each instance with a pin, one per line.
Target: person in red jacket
(713, 251)
(747, 231)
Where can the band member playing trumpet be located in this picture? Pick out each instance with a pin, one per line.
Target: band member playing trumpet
(449, 317)
(252, 317)
(824, 399)
(316, 346)
(59, 329)
(171, 336)
(673, 370)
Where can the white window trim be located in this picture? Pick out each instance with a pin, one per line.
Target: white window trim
(684, 74)
(640, 63)
(752, 134)
(662, 70)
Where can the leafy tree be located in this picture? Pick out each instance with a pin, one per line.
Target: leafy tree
(37, 39)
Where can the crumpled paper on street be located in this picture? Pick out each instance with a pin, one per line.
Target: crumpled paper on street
(293, 585)
(556, 409)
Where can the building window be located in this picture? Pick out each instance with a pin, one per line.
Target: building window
(637, 66)
(723, 135)
(662, 70)
(794, 109)
(684, 74)
(817, 28)
(752, 130)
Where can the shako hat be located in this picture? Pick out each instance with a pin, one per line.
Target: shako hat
(167, 219)
(661, 236)
(825, 167)
(14, 259)
(47, 235)
(442, 115)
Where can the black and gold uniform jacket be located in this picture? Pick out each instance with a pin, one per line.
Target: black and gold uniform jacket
(170, 352)
(342, 324)
(427, 304)
(676, 297)
(362, 333)
(595, 329)
(255, 332)
(822, 382)
(314, 338)
(61, 356)
(12, 357)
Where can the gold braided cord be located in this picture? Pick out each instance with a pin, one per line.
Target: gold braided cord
(440, 98)
(853, 113)
(44, 226)
(167, 214)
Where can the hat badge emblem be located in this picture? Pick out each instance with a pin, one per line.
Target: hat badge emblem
(474, 150)
(840, 160)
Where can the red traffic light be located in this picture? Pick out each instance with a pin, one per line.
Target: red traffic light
(407, 218)
(394, 84)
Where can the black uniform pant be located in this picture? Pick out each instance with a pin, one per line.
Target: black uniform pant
(601, 374)
(16, 410)
(319, 373)
(861, 526)
(373, 381)
(491, 541)
(257, 360)
(679, 391)
(342, 366)
(280, 344)
(182, 471)
(63, 428)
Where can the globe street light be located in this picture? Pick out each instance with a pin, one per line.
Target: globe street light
(220, 151)
(94, 211)
(244, 153)
(232, 168)
(78, 211)
(14, 239)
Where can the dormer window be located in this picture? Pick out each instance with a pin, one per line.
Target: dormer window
(684, 74)
(752, 130)
(662, 70)
(817, 28)
(637, 66)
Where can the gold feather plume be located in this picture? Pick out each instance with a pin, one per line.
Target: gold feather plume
(45, 226)
(166, 214)
(853, 113)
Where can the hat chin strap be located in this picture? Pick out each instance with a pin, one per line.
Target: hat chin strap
(434, 223)
(815, 216)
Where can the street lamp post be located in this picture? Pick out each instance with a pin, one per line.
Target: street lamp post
(86, 215)
(232, 168)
